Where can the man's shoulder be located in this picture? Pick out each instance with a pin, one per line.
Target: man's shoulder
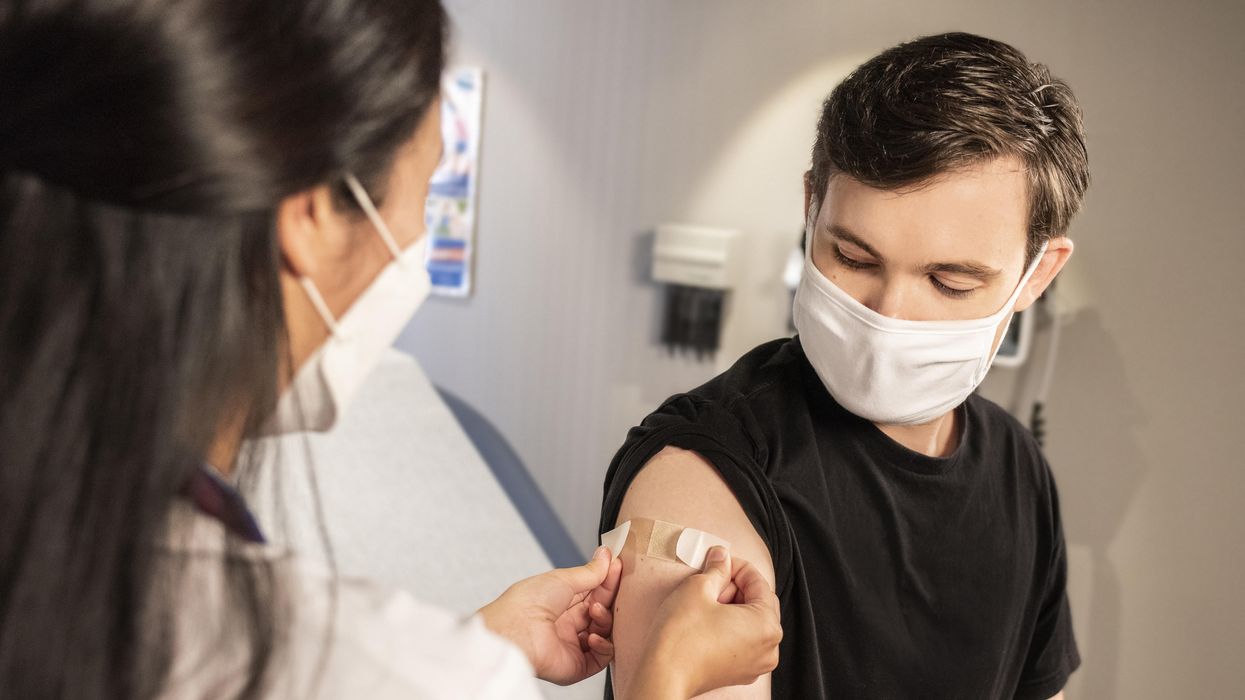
(733, 413)
(721, 414)
(770, 367)
(996, 415)
(1001, 435)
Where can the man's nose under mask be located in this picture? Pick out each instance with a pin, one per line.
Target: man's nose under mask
(886, 370)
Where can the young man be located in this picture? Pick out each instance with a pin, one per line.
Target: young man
(910, 527)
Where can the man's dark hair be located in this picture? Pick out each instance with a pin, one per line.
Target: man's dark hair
(941, 103)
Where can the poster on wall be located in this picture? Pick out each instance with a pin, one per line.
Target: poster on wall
(450, 213)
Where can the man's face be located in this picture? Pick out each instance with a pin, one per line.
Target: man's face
(952, 249)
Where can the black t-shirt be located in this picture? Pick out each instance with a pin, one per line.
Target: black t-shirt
(899, 575)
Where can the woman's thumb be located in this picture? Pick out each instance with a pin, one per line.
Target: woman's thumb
(718, 565)
(590, 575)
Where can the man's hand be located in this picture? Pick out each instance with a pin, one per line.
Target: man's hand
(561, 619)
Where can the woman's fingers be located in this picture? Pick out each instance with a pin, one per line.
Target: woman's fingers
(602, 623)
(605, 593)
(597, 654)
(717, 571)
(582, 579)
(602, 600)
(608, 590)
(601, 616)
(731, 594)
(758, 598)
(602, 647)
(753, 587)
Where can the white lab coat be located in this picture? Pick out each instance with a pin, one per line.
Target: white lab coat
(380, 643)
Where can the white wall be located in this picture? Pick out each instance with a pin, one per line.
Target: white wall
(604, 119)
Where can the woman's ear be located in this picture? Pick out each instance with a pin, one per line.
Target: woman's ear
(309, 230)
(296, 234)
(1057, 253)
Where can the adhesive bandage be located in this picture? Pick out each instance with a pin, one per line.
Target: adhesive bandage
(662, 540)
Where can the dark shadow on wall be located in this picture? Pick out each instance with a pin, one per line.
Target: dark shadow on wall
(1099, 466)
(642, 276)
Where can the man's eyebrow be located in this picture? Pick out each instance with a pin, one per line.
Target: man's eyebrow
(972, 269)
(840, 232)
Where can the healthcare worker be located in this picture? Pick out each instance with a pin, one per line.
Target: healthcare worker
(211, 225)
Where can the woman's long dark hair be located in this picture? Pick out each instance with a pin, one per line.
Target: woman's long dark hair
(144, 147)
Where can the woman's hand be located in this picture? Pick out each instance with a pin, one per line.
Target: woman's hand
(718, 628)
(561, 619)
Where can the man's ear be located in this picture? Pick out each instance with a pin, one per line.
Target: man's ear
(1057, 253)
(308, 230)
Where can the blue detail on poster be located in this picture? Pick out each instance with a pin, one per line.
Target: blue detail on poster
(450, 210)
(447, 263)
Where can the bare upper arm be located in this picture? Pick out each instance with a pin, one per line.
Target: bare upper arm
(678, 486)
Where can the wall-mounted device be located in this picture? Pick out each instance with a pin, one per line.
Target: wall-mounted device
(1049, 305)
(699, 266)
(792, 273)
(1014, 348)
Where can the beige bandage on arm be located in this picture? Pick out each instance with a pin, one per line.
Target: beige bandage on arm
(662, 540)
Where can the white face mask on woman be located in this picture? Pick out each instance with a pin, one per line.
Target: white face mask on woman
(329, 379)
(888, 370)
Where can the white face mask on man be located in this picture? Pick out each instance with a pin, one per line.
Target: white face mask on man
(888, 370)
(329, 379)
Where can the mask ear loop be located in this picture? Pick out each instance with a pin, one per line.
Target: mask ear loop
(365, 202)
(321, 308)
(810, 229)
(369, 208)
(1010, 306)
(1024, 279)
